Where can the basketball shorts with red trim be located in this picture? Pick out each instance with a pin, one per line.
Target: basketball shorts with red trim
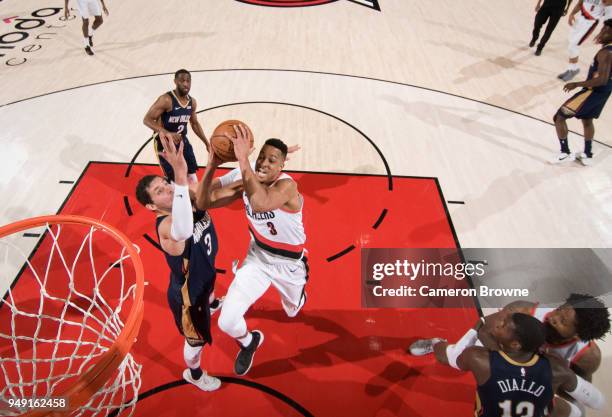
(261, 269)
(585, 104)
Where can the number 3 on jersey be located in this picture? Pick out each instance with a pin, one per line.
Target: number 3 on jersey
(208, 241)
(271, 228)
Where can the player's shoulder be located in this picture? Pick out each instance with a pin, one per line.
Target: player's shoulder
(285, 183)
(475, 354)
(165, 99)
(163, 227)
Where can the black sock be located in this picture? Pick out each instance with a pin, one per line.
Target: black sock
(196, 373)
(564, 145)
(587, 148)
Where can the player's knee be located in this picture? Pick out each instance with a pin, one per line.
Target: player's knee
(227, 322)
(573, 50)
(191, 354)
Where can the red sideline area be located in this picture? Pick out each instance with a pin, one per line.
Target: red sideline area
(335, 358)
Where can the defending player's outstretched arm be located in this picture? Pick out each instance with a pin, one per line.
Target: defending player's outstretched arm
(177, 227)
(210, 192)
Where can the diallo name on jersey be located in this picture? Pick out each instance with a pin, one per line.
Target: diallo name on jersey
(508, 385)
(266, 215)
(179, 119)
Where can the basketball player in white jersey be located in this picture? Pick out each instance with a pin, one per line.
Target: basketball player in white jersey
(276, 254)
(583, 19)
(87, 9)
(571, 330)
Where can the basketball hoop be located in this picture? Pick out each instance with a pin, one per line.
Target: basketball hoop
(69, 319)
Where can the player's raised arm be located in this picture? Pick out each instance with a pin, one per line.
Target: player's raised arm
(177, 227)
(211, 193)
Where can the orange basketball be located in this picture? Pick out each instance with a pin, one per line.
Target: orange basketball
(222, 146)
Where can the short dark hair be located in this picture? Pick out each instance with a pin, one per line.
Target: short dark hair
(278, 144)
(181, 71)
(592, 316)
(529, 332)
(142, 192)
(608, 23)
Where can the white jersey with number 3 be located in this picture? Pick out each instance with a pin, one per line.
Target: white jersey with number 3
(279, 232)
(593, 8)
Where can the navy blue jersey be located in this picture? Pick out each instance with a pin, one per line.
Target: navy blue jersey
(606, 88)
(197, 262)
(177, 118)
(515, 389)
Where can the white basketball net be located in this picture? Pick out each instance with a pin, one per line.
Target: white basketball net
(65, 311)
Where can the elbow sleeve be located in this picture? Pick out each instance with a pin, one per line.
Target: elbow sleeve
(182, 214)
(587, 394)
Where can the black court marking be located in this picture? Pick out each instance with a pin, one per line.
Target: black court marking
(126, 203)
(152, 242)
(305, 72)
(32, 235)
(341, 253)
(380, 219)
(129, 168)
(66, 182)
(227, 380)
(458, 245)
(366, 137)
(455, 202)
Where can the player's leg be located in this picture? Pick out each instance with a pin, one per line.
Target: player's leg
(591, 106)
(96, 11)
(248, 286)
(194, 374)
(569, 109)
(578, 34)
(192, 164)
(564, 154)
(167, 170)
(290, 281)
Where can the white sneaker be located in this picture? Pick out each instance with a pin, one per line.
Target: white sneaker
(562, 158)
(424, 346)
(205, 383)
(584, 159)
